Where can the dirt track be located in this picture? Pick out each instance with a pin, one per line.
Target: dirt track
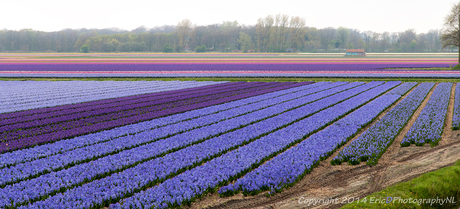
(398, 164)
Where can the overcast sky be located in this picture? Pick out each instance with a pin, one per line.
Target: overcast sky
(378, 16)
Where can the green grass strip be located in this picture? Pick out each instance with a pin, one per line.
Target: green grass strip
(437, 186)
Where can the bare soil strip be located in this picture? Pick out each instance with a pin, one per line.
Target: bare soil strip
(398, 164)
(447, 132)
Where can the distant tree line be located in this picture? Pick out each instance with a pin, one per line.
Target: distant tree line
(274, 33)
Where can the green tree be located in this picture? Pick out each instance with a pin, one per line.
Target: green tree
(167, 48)
(413, 44)
(184, 28)
(245, 42)
(450, 36)
(342, 36)
(201, 48)
(84, 48)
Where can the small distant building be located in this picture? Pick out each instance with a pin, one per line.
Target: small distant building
(355, 53)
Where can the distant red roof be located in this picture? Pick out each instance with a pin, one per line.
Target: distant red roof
(355, 50)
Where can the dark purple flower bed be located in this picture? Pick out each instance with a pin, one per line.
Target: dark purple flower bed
(216, 67)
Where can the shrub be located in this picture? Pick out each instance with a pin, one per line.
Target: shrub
(201, 48)
(84, 49)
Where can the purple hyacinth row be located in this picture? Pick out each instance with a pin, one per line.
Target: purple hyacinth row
(384, 74)
(214, 67)
(26, 170)
(224, 140)
(290, 166)
(25, 155)
(57, 117)
(374, 141)
(53, 112)
(430, 123)
(50, 137)
(456, 117)
(79, 91)
(128, 157)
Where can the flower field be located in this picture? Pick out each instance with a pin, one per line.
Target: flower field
(160, 144)
(223, 65)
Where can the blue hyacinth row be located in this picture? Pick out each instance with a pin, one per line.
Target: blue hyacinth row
(290, 166)
(374, 141)
(145, 173)
(456, 117)
(430, 123)
(27, 93)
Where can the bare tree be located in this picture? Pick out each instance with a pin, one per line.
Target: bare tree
(385, 37)
(354, 39)
(367, 37)
(184, 28)
(394, 40)
(297, 25)
(284, 31)
(450, 35)
(269, 21)
(342, 35)
(432, 36)
(278, 31)
(326, 36)
(375, 38)
(260, 31)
